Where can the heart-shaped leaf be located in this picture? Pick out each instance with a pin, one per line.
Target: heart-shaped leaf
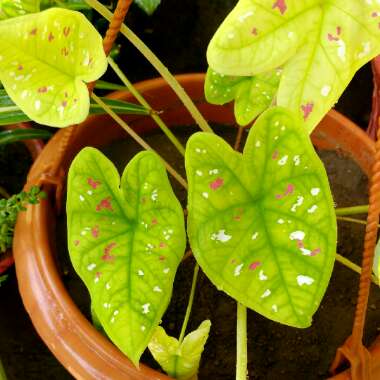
(14, 8)
(252, 95)
(320, 44)
(125, 243)
(180, 360)
(148, 6)
(44, 60)
(262, 225)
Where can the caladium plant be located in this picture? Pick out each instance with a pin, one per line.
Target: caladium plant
(262, 224)
(320, 45)
(126, 239)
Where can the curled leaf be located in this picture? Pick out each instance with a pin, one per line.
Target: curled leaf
(180, 360)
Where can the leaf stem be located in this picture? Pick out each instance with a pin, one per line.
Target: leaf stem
(352, 210)
(144, 103)
(157, 64)
(138, 139)
(353, 220)
(241, 343)
(356, 268)
(189, 304)
(3, 376)
(4, 193)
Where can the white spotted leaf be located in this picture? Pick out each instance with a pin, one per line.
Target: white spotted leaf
(126, 239)
(148, 6)
(45, 58)
(261, 224)
(252, 95)
(14, 8)
(180, 360)
(320, 44)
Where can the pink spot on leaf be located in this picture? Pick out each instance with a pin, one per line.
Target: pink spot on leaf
(254, 31)
(281, 5)
(50, 37)
(163, 245)
(107, 252)
(300, 244)
(94, 184)
(254, 265)
(330, 37)
(42, 89)
(315, 252)
(162, 258)
(33, 32)
(76, 242)
(289, 191)
(105, 204)
(95, 231)
(66, 31)
(98, 275)
(307, 109)
(65, 51)
(275, 155)
(20, 67)
(215, 185)
(64, 104)
(154, 222)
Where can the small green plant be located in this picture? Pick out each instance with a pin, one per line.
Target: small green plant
(261, 224)
(10, 208)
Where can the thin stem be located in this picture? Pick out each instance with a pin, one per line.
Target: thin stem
(190, 304)
(138, 139)
(353, 220)
(144, 103)
(241, 343)
(3, 376)
(352, 210)
(239, 135)
(157, 64)
(356, 268)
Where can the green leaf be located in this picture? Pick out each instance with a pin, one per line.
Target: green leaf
(320, 44)
(148, 6)
(125, 242)
(44, 60)
(103, 85)
(180, 360)
(14, 8)
(15, 135)
(252, 95)
(3, 279)
(262, 224)
(12, 114)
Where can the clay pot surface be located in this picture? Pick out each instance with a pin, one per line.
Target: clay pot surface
(84, 352)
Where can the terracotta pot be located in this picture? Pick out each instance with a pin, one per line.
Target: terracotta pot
(74, 341)
(35, 148)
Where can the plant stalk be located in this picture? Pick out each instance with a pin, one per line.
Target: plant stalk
(157, 64)
(3, 376)
(352, 210)
(241, 343)
(356, 268)
(190, 304)
(4, 193)
(138, 139)
(144, 103)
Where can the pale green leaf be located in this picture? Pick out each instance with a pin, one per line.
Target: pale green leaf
(262, 224)
(252, 95)
(14, 8)
(320, 44)
(148, 6)
(180, 360)
(45, 58)
(376, 261)
(125, 241)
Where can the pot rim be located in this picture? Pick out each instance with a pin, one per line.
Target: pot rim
(84, 352)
